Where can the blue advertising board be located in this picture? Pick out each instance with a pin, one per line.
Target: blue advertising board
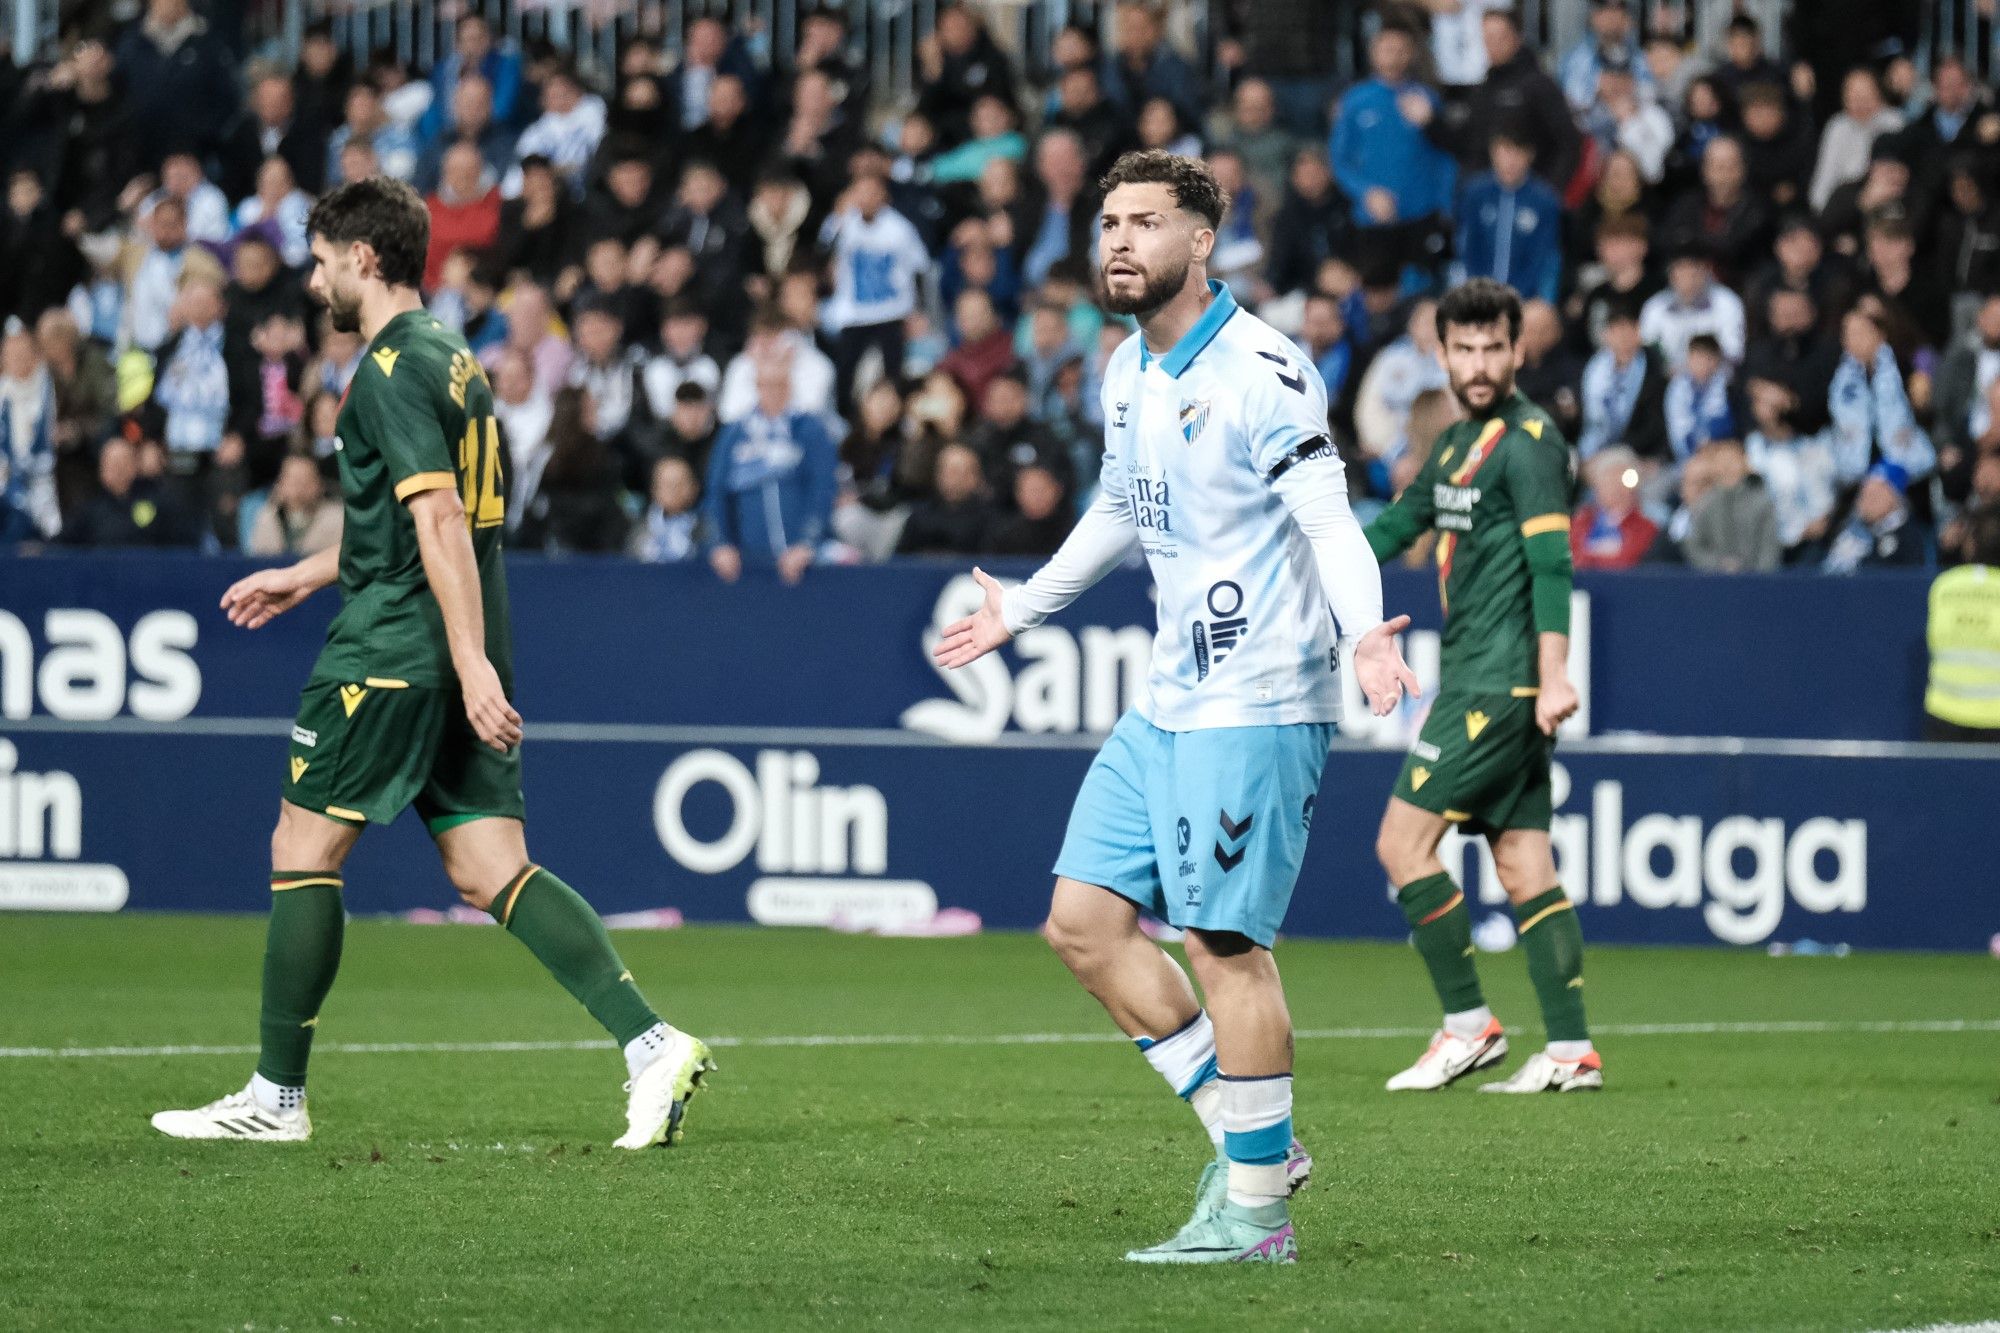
(789, 756)
(1673, 654)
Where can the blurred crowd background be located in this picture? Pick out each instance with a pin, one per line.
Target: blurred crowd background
(742, 306)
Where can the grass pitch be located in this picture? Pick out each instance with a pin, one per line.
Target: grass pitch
(1826, 1176)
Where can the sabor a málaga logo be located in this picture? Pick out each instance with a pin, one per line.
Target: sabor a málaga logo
(1738, 872)
(1081, 681)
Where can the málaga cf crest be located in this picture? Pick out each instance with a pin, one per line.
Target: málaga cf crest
(1194, 419)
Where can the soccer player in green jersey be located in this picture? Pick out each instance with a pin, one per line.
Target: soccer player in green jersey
(1497, 489)
(409, 701)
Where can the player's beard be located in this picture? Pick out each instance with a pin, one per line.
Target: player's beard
(1501, 389)
(344, 312)
(1156, 291)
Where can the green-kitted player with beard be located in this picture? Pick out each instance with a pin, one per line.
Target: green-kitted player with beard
(1497, 488)
(408, 704)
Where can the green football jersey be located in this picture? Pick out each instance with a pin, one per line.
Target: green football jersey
(1490, 486)
(417, 417)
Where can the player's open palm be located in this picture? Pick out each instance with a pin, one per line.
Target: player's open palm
(966, 641)
(257, 599)
(1379, 668)
(493, 719)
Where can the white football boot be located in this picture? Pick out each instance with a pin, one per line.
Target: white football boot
(237, 1116)
(1449, 1058)
(660, 1092)
(1545, 1073)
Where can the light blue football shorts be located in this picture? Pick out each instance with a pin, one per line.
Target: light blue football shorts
(1204, 829)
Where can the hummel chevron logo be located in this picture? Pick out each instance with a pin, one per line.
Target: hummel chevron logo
(1296, 383)
(1234, 832)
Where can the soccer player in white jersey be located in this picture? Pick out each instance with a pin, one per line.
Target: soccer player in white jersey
(1196, 810)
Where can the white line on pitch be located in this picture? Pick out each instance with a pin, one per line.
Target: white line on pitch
(1807, 1028)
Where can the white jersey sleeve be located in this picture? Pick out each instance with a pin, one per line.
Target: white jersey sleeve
(1286, 419)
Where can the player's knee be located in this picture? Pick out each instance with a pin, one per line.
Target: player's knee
(477, 881)
(1064, 936)
(1396, 855)
(307, 842)
(1525, 866)
(476, 894)
(1080, 940)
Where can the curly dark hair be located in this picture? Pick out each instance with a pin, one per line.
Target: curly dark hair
(1479, 302)
(383, 213)
(1189, 178)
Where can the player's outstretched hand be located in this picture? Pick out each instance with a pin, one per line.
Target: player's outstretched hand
(1379, 669)
(254, 601)
(487, 709)
(1554, 704)
(966, 641)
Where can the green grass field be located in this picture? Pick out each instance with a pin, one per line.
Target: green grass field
(1831, 1177)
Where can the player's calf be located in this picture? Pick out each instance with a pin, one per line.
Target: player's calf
(1552, 942)
(665, 1066)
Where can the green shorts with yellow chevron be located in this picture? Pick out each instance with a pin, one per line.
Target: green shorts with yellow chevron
(364, 751)
(1482, 762)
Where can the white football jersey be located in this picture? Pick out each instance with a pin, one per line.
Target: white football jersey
(1192, 442)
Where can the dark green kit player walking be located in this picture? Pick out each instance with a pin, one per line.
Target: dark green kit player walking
(409, 703)
(1497, 489)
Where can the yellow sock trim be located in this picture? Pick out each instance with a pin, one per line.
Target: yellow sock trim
(280, 885)
(1549, 911)
(513, 891)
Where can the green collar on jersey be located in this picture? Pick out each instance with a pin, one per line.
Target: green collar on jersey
(1200, 335)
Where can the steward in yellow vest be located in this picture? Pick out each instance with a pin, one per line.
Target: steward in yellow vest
(1963, 701)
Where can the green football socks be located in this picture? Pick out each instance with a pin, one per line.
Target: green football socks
(566, 934)
(1442, 928)
(1553, 941)
(301, 956)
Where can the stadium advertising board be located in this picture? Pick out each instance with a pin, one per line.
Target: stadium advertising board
(674, 762)
(1693, 847)
(613, 642)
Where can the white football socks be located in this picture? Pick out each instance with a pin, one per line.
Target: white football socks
(647, 1047)
(1468, 1024)
(1567, 1051)
(1257, 1115)
(276, 1097)
(1186, 1060)
(1207, 1103)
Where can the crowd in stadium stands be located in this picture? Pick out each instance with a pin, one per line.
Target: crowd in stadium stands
(736, 311)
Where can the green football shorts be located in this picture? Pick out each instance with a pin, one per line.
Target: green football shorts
(1481, 761)
(364, 751)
